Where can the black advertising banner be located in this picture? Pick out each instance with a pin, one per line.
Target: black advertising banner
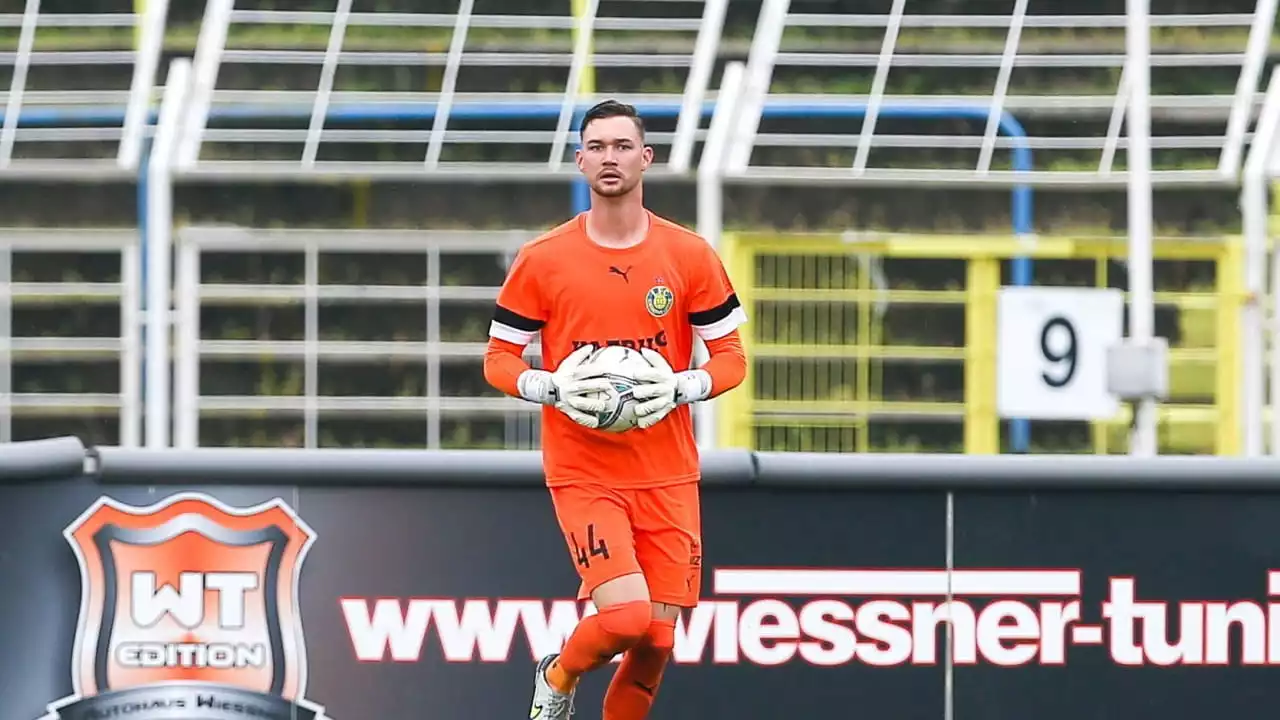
(153, 605)
(467, 588)
(1176, 600)
(221, 603)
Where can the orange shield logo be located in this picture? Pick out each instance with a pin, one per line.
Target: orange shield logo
(189, 609)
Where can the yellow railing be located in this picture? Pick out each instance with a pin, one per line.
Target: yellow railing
(841, 361)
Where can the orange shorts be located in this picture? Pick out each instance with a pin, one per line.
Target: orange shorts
(616, 532)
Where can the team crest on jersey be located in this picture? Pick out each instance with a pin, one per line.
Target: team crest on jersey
(659, 300)
(189, 609)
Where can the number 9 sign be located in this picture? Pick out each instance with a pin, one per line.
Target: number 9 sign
(1052, 352)
(1058, 347)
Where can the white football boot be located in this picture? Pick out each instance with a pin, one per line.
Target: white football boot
(548, 704)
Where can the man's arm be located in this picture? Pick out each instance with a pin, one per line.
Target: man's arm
(723, 371)
(504, 365)
(715, 315)
(518, 317)
(506, 370)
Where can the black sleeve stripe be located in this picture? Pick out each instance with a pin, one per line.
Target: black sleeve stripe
(703, 318)
(516, 320)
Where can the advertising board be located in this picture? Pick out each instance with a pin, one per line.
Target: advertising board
(229, 603)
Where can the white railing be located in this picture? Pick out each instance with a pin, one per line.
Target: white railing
(1131, 103)
(1261, 329)
(1008, 54)
(737, 139)
(192, 139)
(456, 111)
(64, 120)
(33, 343)
(42, 115)
(441, 349)
(1010, 49)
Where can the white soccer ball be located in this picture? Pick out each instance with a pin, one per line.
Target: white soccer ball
(618, 364)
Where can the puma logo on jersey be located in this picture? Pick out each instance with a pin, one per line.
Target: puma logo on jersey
(614, 269)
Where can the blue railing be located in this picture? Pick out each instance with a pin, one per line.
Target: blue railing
(1021, 159)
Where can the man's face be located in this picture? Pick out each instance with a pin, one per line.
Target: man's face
(612, 156)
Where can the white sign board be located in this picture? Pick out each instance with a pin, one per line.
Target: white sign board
(1051, 361)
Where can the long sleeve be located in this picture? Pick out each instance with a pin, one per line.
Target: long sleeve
(503, 364)
(727, 365)
(715, 314)
(518, 316)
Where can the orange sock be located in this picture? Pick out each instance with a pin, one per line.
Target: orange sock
(596, 640)
(635, 685)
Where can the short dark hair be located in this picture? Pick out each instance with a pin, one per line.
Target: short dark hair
(608, 109)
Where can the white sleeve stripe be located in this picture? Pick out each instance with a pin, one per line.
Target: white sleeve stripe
(722, 327)
(510, 334)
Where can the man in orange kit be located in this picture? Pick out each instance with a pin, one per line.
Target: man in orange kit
(626, 503)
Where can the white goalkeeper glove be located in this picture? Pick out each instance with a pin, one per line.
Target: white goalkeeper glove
(663, 389)
(566, 389)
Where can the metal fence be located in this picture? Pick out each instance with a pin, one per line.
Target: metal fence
(736, 149)
(442, 325)
(60, 75)
(88, 329)
(1041, 114)
(852, 355)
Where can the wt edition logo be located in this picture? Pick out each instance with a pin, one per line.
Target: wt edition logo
(188, 610)
(872, 617)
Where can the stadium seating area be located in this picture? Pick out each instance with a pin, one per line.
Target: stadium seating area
(363, 204)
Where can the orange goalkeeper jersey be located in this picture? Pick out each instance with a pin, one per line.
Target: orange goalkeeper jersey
(655, 294)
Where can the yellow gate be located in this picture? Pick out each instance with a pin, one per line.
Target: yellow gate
(865, 343)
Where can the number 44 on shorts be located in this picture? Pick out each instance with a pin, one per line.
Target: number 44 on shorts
(593, 548)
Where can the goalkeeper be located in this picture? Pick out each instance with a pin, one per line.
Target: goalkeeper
(627, 503)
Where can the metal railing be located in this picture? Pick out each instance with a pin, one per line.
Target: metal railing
(62, 458)
(581, 47)
(1006, 52)
(1261, 325)
(210, 130)
(190, 296)
(438, 351)
(1131, 100)
(56, 69)
(742, 108)
(38, 326)
(854, 353)
(880, 59)
(61, 71)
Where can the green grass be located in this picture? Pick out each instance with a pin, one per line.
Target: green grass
(1033, 40)
(316, 37)
(948, 80)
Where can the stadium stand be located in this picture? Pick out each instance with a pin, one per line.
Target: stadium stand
(368, 168)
